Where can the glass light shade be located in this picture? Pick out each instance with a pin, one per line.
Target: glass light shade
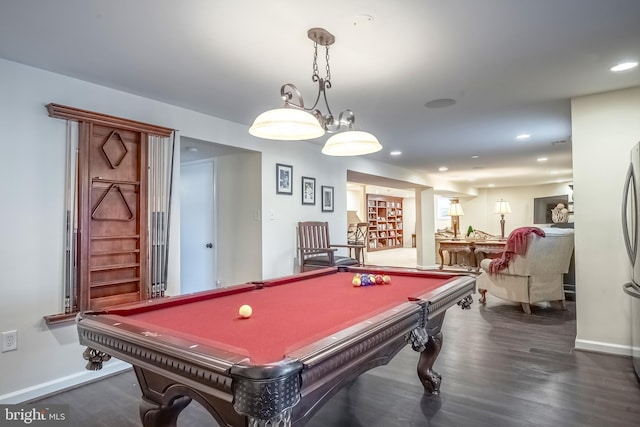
(286, 124)
(503, 207)
(351, 143)
(455, 209)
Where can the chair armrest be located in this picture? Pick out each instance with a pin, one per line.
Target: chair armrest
(349, 245)
(484, 264)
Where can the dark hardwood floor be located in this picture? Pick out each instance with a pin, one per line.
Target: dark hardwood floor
(500, 367)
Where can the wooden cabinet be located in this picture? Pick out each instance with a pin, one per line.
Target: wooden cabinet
(384, 216)
(113, 260)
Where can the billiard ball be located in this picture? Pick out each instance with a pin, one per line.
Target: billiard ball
(378, 279)
(386, 280)
(356, 281)
(245, 311)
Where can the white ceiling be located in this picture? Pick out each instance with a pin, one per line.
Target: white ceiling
(511, 65)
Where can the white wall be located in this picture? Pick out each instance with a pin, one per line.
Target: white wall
(239, 226)
(32, 172)
(408, 219)
(604, 128)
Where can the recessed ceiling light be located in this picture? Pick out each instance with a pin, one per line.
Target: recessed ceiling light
(440, 103)
(362, 19)
(443, 168)
(523, 136)
(542, 159)
(492, 185)
(395, 153)
(554, 172)
(624, 66)
(475, 157)
(192, 149)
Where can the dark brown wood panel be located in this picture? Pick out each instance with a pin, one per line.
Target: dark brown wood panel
(117, 217)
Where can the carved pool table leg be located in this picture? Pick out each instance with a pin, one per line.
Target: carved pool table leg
(429, 378)
(427, 340)
(153, 414)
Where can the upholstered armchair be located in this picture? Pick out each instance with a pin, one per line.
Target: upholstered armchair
(535, 276)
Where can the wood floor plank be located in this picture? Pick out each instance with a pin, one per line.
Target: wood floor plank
(500, 367)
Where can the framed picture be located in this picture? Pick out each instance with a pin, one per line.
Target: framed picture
(284, 179)
(327, 199)
(308, 191)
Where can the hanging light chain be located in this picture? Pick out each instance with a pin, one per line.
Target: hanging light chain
(315, 76)
(328, 76)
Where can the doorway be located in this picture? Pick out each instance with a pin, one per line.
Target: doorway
(198, 244)
(220, 200)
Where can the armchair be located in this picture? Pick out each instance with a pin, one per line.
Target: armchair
(535, 276)
(315, 250)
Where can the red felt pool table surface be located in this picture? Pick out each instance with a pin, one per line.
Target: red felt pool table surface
(288, 313)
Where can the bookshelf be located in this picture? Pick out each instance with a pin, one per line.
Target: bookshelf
(384, 217)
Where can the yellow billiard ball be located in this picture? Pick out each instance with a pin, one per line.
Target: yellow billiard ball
(245, 311)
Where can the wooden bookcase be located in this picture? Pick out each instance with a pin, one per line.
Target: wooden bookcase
(384, 215)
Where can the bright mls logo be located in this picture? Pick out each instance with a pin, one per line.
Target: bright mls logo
(36, 415)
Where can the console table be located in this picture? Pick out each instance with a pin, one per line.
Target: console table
(488, 249)
(473, 251)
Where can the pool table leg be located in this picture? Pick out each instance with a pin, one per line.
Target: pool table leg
(428, 341)
(153, 414)
(429, 378)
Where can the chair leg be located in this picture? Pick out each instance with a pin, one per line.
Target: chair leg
(526, 307)
(483, 295)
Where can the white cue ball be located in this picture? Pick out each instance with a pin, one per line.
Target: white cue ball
(245, 311)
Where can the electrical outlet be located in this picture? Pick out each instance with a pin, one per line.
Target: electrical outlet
(9, 340)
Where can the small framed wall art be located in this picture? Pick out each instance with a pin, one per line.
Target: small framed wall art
(284, 179)
(308, 190)
(327, 198)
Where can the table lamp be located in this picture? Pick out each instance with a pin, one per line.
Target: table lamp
(455, 211)
(502, 208)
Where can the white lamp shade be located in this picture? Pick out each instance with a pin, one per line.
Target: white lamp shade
(455, 209)
(503, 207)
(286, 124)
(352, 217)
(351, 143)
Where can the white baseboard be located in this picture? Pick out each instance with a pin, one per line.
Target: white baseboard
(603, 347)
(48, 388)
(428, 267)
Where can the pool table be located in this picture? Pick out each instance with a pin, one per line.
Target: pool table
(309, 334)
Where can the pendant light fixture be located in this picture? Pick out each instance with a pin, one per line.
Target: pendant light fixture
(294, 122)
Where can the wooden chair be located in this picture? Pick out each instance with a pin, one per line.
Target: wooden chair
(357, 239)
(315, 249)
